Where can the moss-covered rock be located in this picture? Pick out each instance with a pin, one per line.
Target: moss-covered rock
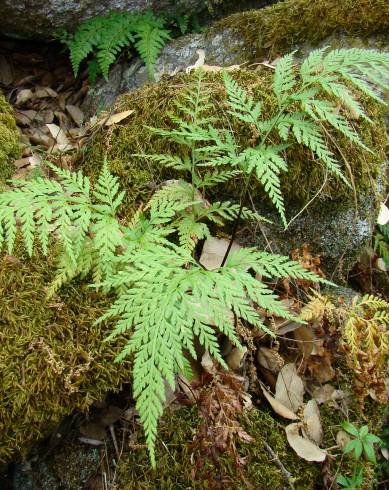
(52, 359)
(330, 225)
(253, 36)
(278, 28)
(9, 140)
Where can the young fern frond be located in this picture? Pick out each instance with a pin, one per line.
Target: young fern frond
(284, 78)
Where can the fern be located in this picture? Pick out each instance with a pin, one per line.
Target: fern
(106, 36)
(167, 300)
(322, 74)
(71, 211)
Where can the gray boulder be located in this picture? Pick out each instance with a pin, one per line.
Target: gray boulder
(42, 18)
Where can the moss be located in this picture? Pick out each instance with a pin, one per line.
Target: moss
(9, 140)
(175, 460)
(278, 28)
(152, 104)
(52, 359)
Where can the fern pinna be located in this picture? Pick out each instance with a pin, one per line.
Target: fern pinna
(107, 35)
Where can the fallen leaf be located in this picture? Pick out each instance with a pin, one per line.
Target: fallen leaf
(270, 359)
(60, 137)
(290, 388)
(306, 340)
(23, 96)
(213, 252)
(303, 447)
(208, 363)
(236, 358)
(43, 92)
(25, 118)
(76, 114)
(35, 160)
(22, 162)
(116, 118)
(312, 423)
(278, 407)
(342, 438)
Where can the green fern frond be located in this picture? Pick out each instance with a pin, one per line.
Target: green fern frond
(284, 78)
(107, 35)
(242, 105)
(165, 300)
(151, 36)
(267, 164)
(325, 111)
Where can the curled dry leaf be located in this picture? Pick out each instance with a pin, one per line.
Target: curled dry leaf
(312, 424)
(290, 388)
(236, 357)
(302, 446)
(116, 118)
(43, 92)
(214, 250)
(270, 359)
(278, 407)
(208, 363)
(342, 438)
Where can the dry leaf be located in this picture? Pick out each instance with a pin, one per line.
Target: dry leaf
(23, 96)
(116, 118)
(42, 92)
(342, 438)
(290, 388)
(270, 359)
(35, 160)
(278, 407)
(306, 339)
(312, 424)
(58, 134)
(213, 252)
(236, 357)
(208, 363)
(76, 114)
(303, 447)
(25, 118)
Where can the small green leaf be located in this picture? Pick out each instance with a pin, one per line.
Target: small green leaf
(350, 428)
(369, 452)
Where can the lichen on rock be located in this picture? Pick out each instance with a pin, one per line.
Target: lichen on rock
(9, 140)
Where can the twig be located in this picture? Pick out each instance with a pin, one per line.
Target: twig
(115, 443)
(288, 477)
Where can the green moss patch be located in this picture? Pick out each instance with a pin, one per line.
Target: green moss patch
(278, 28)
(175, 458)
(153, 103)
(9, 140)
(52, 359)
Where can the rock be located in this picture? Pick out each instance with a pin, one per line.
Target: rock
(254, 36)
(43, 18)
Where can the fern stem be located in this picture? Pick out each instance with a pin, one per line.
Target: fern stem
(245, 190)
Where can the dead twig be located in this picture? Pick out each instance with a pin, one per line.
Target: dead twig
(285, 473)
